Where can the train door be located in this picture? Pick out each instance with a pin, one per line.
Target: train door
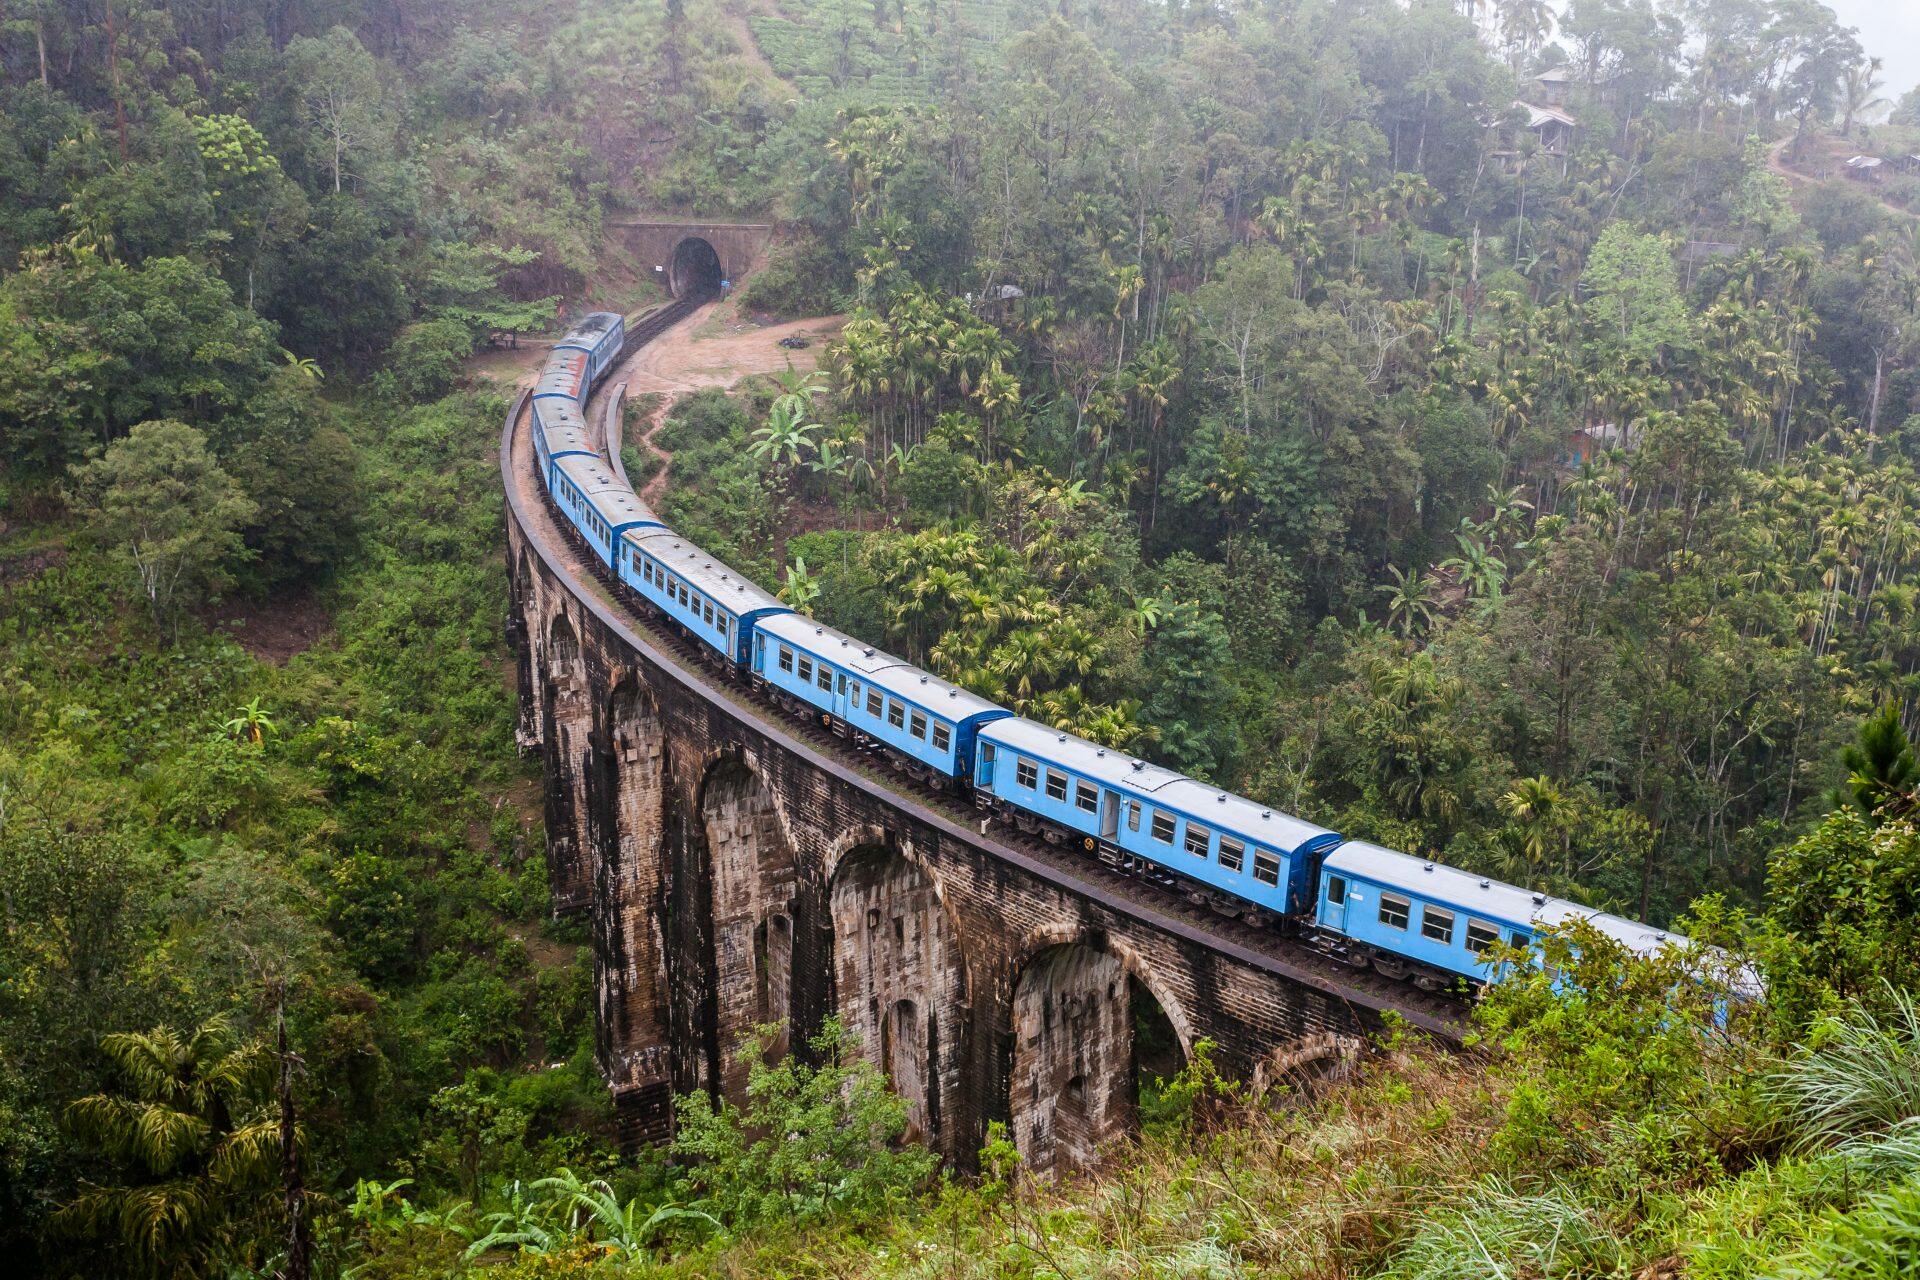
(1333, 903)
(1109, 816)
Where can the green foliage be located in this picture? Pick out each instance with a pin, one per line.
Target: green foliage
(1883, 779)
(1626, 1069)
(812, 1143)
(1843, 898)
(1860, 1073)
(427, 358)
(198, 1151)
(168, 511)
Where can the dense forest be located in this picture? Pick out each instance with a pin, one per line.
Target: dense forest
(1491, 429)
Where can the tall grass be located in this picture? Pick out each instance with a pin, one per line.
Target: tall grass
(1861, 1075)
(1507, 1235)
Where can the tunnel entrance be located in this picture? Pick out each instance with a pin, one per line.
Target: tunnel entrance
(694, 270)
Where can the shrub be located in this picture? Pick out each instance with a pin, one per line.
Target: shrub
(814, 1142)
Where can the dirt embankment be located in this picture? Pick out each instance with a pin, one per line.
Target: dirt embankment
(716, 346)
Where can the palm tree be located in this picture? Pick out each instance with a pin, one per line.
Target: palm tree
(199, 1149)
(251, 723)
(1538, 809)
(1412, 603)
(1861, 91)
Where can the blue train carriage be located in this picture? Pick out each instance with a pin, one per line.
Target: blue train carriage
(711, 602)
(1432, 924)
(601, 335)
(927, 725)
(564, 377)
(558, 432)
(597, 504)
(1235, 855)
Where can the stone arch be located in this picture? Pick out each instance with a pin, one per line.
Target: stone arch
(1072, 1083)
(900, 978)
(694, 269)
(629, 909)
(567, 724)
(756, 939)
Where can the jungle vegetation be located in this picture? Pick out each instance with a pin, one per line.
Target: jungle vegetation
(1243, 384)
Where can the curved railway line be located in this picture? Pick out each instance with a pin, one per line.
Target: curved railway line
(693, 666)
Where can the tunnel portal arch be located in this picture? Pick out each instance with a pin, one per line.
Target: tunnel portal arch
(694, 270)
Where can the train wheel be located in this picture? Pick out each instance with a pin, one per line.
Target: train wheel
(1359, 955)
(1390, 968)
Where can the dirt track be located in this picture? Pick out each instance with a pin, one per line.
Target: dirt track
(713, 347)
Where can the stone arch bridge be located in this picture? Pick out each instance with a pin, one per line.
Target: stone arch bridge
(739, 869)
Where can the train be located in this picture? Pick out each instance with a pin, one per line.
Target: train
(1408, 918)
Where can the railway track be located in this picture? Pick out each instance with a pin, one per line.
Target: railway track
(1164, 907)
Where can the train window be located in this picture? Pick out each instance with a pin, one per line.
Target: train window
(853, 687)
(706, 611)
(896, 714)
(1233, 854)
(840, 686)
(1480, 936)
(874, 702)
(1026, 773)
(1162, 827)
(1436, 924)
(786, 658)
(1197, 838)
(824, 679)
(1266, 867)
(942, 736)
(1056, 784)
(1522, 939)
(1394, 910)
(1336, 890)
(1133, 815)
(806, 669)
(1086, 797)
(917, 725)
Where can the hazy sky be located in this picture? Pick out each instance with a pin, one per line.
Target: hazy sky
(1890, 30)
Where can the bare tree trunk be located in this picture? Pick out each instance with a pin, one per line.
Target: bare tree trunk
(113, 79)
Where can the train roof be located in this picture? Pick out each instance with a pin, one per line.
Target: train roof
(617, 504)
(1129, 774)
(727, 586)
(590, 328)
(564, 412)
(1483, 896)
(562, 374)
(880, 669)
(568, 440)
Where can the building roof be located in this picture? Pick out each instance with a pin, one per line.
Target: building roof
(1537, 116)
(1865, 162)
(1129, 775)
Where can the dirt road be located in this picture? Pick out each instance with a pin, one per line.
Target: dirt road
(713, 347)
